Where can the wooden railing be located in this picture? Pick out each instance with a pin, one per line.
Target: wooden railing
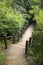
(6, 38)
(28, 44)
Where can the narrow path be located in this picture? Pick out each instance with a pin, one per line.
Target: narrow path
(15, 54)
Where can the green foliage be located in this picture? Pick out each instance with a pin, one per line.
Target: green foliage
(39, 19)
(37, 47)
(37, 43)
(2, 58)
(36, 1)
(13, 14)
(11, 20)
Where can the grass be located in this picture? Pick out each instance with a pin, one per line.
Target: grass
(2, 57)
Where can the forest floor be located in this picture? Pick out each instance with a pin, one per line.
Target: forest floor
(15, 54)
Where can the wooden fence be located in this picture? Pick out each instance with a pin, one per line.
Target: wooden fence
(28, 44)
(6, 38)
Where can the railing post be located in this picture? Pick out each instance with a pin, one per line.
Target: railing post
(18, 38)
(5, 40)
(30, 39)
(13, 39)
(26, 47)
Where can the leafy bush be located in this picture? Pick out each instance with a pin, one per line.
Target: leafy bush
(2, 58)
(11, 21)
(37, 47)
(37, 42)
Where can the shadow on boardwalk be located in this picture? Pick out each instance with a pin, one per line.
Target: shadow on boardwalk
(15, 54)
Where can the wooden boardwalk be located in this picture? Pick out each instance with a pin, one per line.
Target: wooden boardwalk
(15, 54)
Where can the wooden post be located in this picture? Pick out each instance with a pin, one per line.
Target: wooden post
(18, 38)
(5, 40)
(26, 47)
(13, 39)
(30, 41)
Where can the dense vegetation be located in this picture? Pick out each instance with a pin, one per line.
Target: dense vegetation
(14, 15)
(36, 49)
